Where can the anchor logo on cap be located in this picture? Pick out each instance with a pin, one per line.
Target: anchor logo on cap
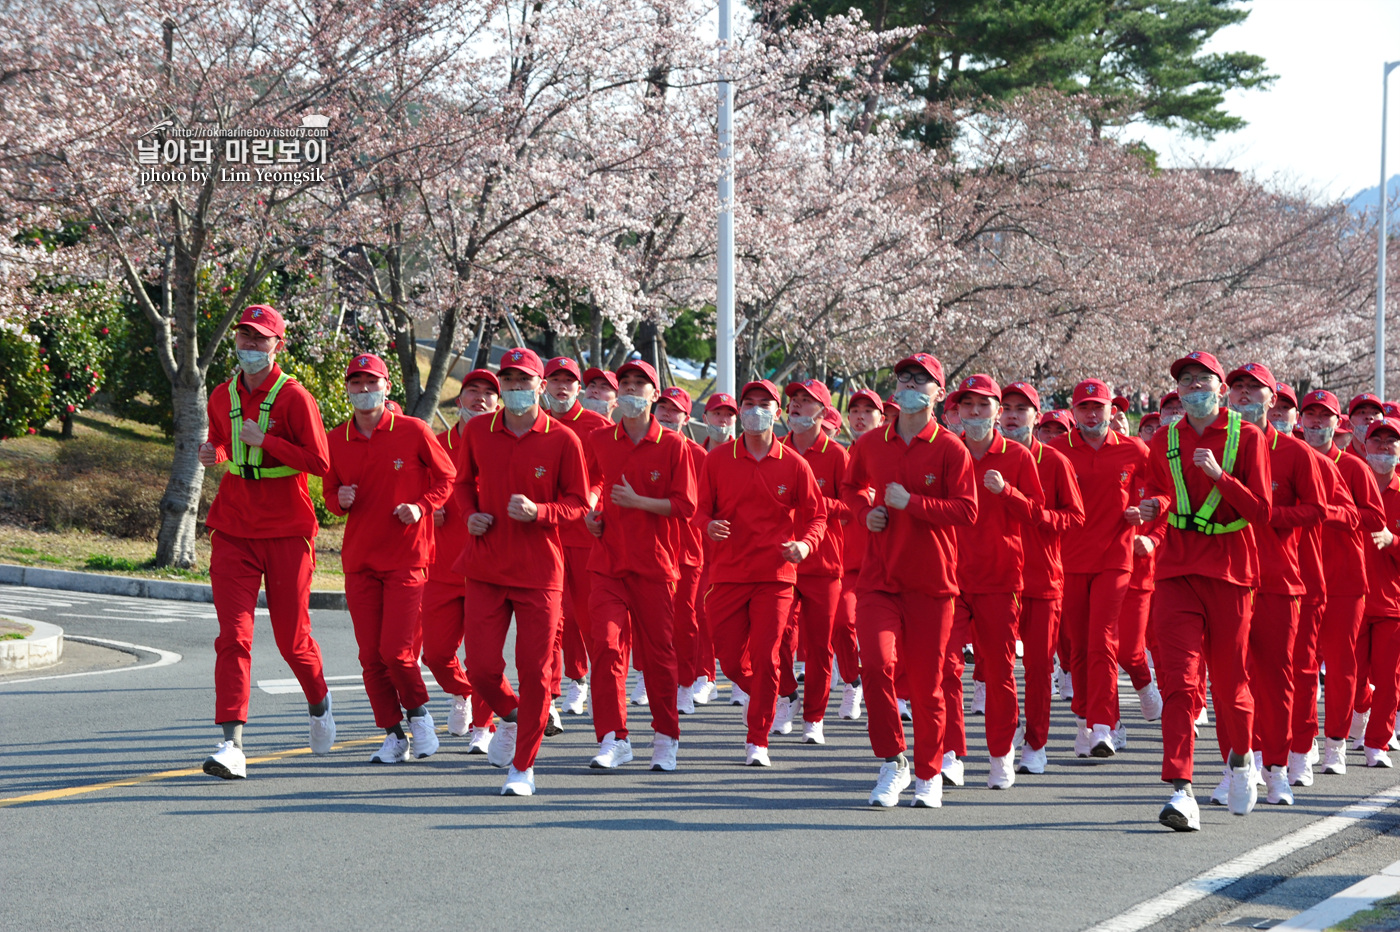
(363, 361)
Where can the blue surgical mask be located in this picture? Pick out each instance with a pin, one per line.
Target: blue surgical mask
(1021, 435)
(366, 401)
(518, 401)
(1098, 430)
(1254, 413)
(1201, 404)
(912, 400)
(977, 428)
(596, 405)
(1382, 463)
(801, 424)
(1319, 437)
(720, 434)
(1282, 427)
(756, 420)
(632, 405)
(558, 405)
(251, 360)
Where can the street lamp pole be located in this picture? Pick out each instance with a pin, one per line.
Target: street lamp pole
(1381, 238)
(724, 302)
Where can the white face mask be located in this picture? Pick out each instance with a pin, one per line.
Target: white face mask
(465, 414)
(1254, 412)
(632, 405)
(912, 400)
(1202, 404)
(1282, 427)
(720, 434)
(558, 405)
(756, 420)
(251, 360)
(1021, 435)
(1382, 463)
(596, 405)
(1319, 437)
(801, 424)
(977, 429)
(366, 401)
(519, 401)
(1098, 430)
(1169, 421)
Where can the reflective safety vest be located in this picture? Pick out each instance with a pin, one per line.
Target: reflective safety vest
(246, 460)
(1184, 518)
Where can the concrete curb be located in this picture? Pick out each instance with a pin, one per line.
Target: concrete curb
(43, 648)
(1342, 906)
(99, 584)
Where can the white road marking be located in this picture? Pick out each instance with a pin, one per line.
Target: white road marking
(165, 659)
(1217, 878)
(161, 618)
(284, 687)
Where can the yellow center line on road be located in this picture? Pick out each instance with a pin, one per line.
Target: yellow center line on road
(47, 795)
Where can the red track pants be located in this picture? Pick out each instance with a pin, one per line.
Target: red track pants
(687, 626)
(444, 629)
(1272, 632)
(1336, 642)
(916, 627)
(537, 619)
(814, 608)
(992, 618)
(627, 610)
(1302, 731)
(237, 567)
(1202, 620)
(384, 608)
(1380, 639)
(1040, 632)
(1092, 606)
(704, 640)
(1132, 637)
(747, 622)
(844, 645)
(575, 639)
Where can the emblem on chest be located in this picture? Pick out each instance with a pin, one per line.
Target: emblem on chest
(539, 472)
(656, 475)
(930, 478)
(398, 464)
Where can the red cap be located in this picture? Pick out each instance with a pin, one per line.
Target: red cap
(1059, 416)
(1169, 397)
(832, 419)
(367, 362)
(765, 386)
(522, 359)
(1256, 369)
(814, 387)
(721, 400)
(866, 394)
(1390, 409)
(893, 410)
(678, 397)
(1121, 404)
(642, 366)
(924, 361)
(264, 319)
(1365, 398)
(1025, 389)
(1091, 390)
(1200, 359)
(978, 384)
(485, 375)
(1344, 425)
(1385, 423)
(1324, 398)
(1286, 393)
(562, 364)
(1150, 416)
(596, 373)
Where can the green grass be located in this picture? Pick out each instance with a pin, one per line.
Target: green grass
(1383, 914)
(12, 636)
(110, 564)
(24, 551)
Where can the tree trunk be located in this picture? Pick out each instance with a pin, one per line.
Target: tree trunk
(179, 506)
(488, 337)
(437, 371)
(595, 343)
(67, 433)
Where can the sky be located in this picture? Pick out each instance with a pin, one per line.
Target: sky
(1318, 126)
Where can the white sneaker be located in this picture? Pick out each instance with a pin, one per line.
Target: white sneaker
(519, 782)
(755, 756)
(737, 696)
(782, 719)
(1334, 757)
(612, 752)
(502, 750)
(1394, 744)
(928, 794)
(979, 698)
(1313, 756)
(894, 777)
(1300, 771)
(812, 733)
(1202, 717)
(1220, 796)
(459, 717)
(905, 713)
(1003, 773)
(1258, 759)
(1120, 736)
(1358, 729)
(1376, 757)
(799, 671)
(1101, 742)
(322, 730)
(575, 696)
(393, 751)
(704, 690)
(1033, 760)
(423, 735)
(1276, 788)
(1020, 649)
(1083, 739)
(685, 700)
(663, 752)
(1243, 793)
(639, 692)
(1181, 813)
(480, 742)
(851, 696)
(227, 761)
(1018, 737)
(1150, 701)
(555, 724)
(1066, 685)
(952, 769)
(1055, 681)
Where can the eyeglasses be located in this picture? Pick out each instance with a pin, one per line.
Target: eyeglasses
(1203, 379)
(912, 375)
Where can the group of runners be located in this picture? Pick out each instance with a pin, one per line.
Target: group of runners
(1237, 545)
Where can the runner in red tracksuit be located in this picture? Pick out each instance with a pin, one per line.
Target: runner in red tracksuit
(721, 414)
(444, 595)
(761, 506)
(1098, 565)
(1044, 574)
(1378, 645)
(263, 527)
(818, 591)
(990, 564)
(389, 474)
(673, 413)
(1207, 569)
(1365, 409)
(1133, 620)
(864, 413)
(561, 398)
(1297, 503)
(1362, 411)
(924, 489)
(521, 479)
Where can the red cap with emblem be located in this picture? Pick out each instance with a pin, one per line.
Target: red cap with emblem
(1344, 425)
(1286, 393)
(562, 364)
(832, 419)
(1390, 409)
(642, 366)
(1365, 398)
(678, 397)
(1025, 390)
(1150, 418)
(762, 385)
(264, 319)
(979, 384)
(596, 373)
(1325, 398)
(1121, 404)
(814, 387)
(1257, 370)
(482, 375)
(1092, 390)
(892, 409)
(1385, 423)
(924, 361)
(1168, 398)
(867, 396)
(367, 362)
(522, 359)
(1200, 359)
(721, 400)
(1059, 416)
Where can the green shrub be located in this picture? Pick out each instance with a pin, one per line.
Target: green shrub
(24, 391)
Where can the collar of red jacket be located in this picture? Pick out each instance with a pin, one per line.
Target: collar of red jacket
(498, 421)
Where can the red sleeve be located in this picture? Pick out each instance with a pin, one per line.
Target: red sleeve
(809, 522)
(1070, 514)
(682, 495)
(836, 509)
(1368, 500)
(330, 487)
(218, 410)
(1024, 497)
(1159, 481)
(853, 487)
(572, 489)
(705, 495)
(595, 470)
(959, 506)
(309, 452)
(440, 468)
(1341, 511)
(1307, 489)
(1249, 490)
(464, 484)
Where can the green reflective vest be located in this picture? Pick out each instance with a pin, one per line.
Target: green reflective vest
(246, 460)
(1184, 518)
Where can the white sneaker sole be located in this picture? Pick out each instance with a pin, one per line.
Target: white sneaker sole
(216, 769)
(1177, 821)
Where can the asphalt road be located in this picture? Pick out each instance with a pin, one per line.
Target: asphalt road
(308, 842)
